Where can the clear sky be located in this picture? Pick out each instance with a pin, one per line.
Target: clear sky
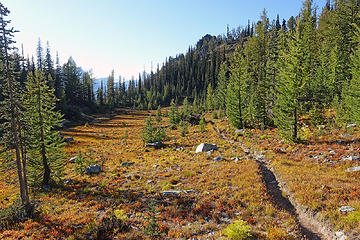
(128, 35)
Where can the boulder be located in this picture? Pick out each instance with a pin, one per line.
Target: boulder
(353, 169)
(206, 147)
(93, 169)
(346, 209)
(340, 236)
(156, 145)
(351, 125)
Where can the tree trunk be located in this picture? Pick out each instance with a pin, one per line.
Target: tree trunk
(14, 127)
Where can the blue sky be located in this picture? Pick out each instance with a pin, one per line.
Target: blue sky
(128, 35)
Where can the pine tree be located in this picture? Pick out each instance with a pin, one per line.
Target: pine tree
(185, 108)
(110, 94)
(15, 125)
(174, 117)
(236, 97)
(210, 98)
(223, 81)
(49, 66)
(158, 114)
(352, 92)
(289, 88)
(46, 155)
(40, 55)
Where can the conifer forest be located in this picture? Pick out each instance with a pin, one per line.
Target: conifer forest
(250, 134)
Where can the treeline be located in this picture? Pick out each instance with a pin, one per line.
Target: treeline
(269, 74)
(302, 69)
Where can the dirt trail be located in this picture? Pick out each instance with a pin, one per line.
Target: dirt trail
(308, 224)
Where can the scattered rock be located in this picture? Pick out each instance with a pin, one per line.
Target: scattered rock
(178, 192)
(205, 147)
(69, 140)
(73, 159)
(350, 158)
(239, 132)
(156, 145)
(346, 209)
(219, 158)
(126, 164)
(93, 169)
(351, 125)
(171, 192)
(327, 160)
(345, 135)
(353, 169)
(67, 181)
(259, 156)
(340, 236)
(180, 149)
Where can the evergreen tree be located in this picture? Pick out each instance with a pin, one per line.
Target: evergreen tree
(223, 81)
(158, 114)
(46, 155)
(110, 94)
(15, 125)
(289, 88)
(174, 117)
(210, 98)
(236, 96)
(40, 55)
(352, 97)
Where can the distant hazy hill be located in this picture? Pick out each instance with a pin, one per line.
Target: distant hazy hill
(97, 83)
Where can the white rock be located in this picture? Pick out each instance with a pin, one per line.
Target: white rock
(346, 209)
(205, 147)
(351, 125)
(72, 160)
(340, 236)
(353, 169)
